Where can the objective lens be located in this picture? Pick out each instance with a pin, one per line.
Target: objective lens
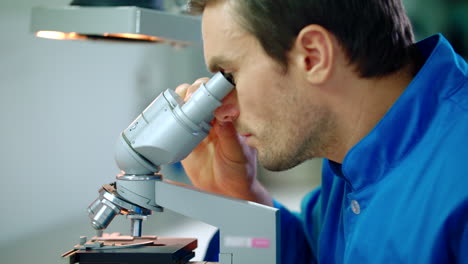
(102, 212)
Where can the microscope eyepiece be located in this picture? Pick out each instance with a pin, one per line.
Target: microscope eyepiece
(229, 77)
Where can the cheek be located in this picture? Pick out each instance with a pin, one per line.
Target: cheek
(253, 98)
(259, 92)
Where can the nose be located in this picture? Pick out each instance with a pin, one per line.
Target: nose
(229, 110)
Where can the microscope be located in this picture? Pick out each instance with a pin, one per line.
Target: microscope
(165, 133)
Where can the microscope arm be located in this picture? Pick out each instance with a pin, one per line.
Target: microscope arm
(249, 232)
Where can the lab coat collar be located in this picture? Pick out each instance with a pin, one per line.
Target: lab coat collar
(402, 127)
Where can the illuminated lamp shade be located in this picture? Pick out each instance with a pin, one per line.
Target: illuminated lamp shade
(116, 20)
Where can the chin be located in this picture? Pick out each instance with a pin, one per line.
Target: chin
(278, 164)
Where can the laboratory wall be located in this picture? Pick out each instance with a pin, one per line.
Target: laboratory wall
(429, 17)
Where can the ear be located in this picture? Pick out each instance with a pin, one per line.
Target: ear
(314, 53)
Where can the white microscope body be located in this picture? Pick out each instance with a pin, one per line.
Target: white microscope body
(165, 133)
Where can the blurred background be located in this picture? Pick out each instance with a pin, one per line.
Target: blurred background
(63, 104)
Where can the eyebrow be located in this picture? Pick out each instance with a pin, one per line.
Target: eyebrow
(216, 63)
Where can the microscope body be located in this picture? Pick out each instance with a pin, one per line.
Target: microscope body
(165, 133)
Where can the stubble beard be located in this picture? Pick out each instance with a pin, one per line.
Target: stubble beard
(283, 151)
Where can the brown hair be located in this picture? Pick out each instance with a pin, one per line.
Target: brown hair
(376, 34)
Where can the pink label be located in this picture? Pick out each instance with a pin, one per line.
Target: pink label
(260, 243)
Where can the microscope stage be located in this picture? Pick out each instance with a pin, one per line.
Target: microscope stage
(155, 251)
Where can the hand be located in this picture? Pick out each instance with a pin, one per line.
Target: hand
(222, 163)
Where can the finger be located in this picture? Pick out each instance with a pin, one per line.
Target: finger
(181, 90)
(229, 143)
(195, 87)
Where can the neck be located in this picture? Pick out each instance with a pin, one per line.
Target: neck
(361, 104)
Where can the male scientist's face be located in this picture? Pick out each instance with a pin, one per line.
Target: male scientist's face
(267, 107)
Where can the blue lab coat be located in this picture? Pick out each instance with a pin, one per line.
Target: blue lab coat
(401, 194)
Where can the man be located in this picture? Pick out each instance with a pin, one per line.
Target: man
(341, 80)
